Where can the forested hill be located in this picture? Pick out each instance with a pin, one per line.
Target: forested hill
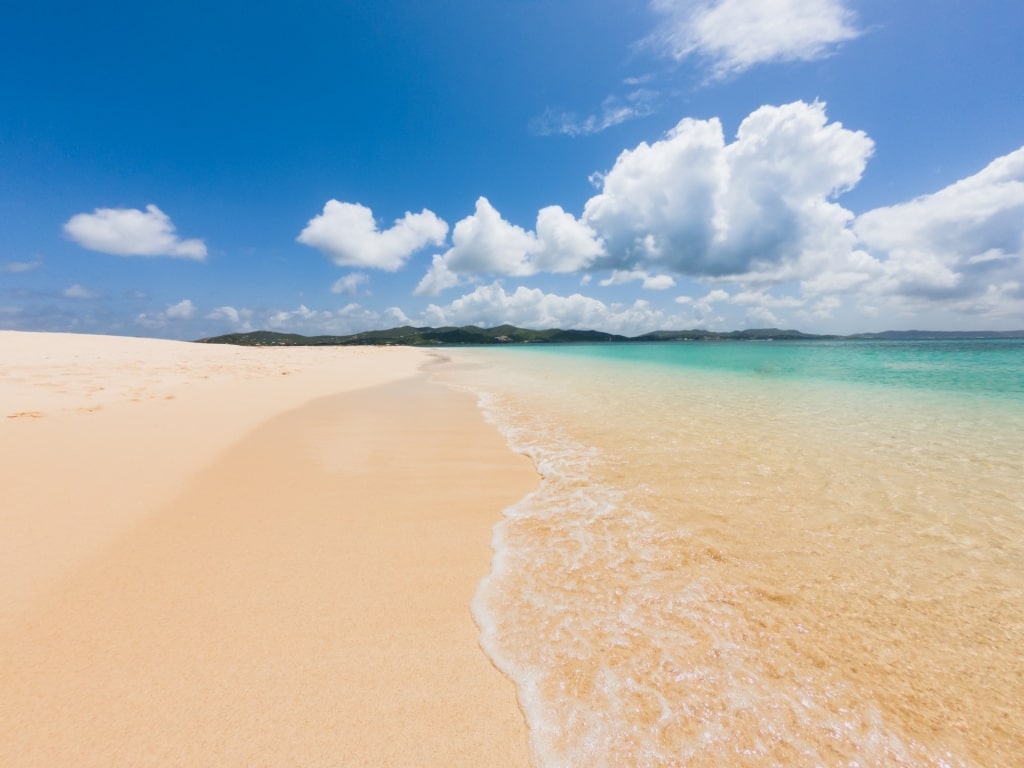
(510, 334)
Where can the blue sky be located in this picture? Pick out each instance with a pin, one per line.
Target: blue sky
(188, 169)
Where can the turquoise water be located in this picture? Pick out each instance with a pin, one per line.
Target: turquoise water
(767, 553)
(992, 368)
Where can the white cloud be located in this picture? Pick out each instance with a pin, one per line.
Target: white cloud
(183, 310)
(734, 35)
(621, 277)
(484, 243)
(77, 291)
(283, 317)
(131, 232)
(239, 319)
(759, 306)
(438, 278)
(840, 273)
(650, 282)
(692, 204)
(953, 246)
(703, 308)
(348, 233)
(765, 300)
(566, 244)
(956, 252)
(763, 316)
(658, 282)
(349, 284)
(821, 309)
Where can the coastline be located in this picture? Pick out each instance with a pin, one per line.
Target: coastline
(252, 556)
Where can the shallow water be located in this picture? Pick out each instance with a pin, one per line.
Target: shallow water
(761, 554)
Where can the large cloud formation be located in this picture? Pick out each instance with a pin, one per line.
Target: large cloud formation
(348, 233)
(735, 35)
(752, 228)
(688, 204)
(761, 213)
(131, 232)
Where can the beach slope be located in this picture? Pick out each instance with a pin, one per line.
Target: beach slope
(216, 556)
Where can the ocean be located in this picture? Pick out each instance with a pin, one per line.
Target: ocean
(761, 553)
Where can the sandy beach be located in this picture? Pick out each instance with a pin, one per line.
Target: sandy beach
(236, 556)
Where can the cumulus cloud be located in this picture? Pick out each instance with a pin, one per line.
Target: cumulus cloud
(349, 284)
(693, 204)
(183, 310)
(734, 35)
(962, 244)
(77, 291)
(439, 278)
(957, 251)
(485, 243)
(348, 233)
(131, 232)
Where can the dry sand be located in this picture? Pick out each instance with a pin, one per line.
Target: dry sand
(234, 556)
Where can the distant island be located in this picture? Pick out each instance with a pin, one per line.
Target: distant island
(408, 335)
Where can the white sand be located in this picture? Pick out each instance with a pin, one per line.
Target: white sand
(205, 564)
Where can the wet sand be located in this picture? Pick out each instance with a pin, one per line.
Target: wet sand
(244, 569)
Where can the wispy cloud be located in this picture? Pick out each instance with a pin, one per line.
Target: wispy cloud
(349, 284)
(77, 291)
(734, 35)
(614, 111)
(20, 267)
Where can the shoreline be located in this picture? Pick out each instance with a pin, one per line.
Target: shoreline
(300, 596)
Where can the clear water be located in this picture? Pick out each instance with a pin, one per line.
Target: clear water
(753, 554)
